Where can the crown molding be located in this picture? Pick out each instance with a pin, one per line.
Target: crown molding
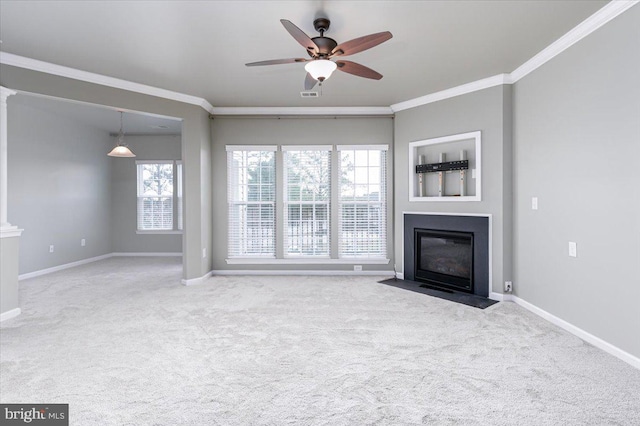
(103, 80)
(220, 111)
(485, 83)
(586, 27)
(589, 25)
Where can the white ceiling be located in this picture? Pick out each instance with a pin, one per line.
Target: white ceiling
(199, 48)
(101, 118)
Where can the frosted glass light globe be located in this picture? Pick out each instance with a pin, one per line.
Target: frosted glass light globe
(320, 69)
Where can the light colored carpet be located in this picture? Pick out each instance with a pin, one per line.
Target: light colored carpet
(124, 344)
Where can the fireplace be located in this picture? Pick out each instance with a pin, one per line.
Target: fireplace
(444, 259)
(433, 242)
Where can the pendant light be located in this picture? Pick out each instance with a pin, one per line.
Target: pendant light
(121, 149)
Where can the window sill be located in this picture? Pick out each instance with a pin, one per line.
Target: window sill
(305, 261)
(157, 232)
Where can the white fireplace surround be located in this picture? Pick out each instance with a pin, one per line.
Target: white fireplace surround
(492, 295)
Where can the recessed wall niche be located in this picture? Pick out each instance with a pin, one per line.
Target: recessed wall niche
(450, 166)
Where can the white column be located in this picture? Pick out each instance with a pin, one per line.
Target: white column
(4, 223)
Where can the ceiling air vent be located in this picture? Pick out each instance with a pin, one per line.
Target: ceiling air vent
(309, 94)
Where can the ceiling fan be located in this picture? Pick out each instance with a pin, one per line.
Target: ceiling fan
(322, 49)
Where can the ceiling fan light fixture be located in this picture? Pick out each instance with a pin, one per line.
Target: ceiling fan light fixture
(121, 149)
(321, 69)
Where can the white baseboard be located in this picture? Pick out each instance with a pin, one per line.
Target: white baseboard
(587, 337)
(134, 254)
(10, 314)
(499, 296)
(90, 260)
(221, 272)
(195, 281)
(302, 272)
(400, 275)
(62, 267)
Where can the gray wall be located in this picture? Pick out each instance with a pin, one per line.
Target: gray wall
(488, 111)
(58, 186)
(196, 148)
(124, 196)
(291, 131)
(577, 148)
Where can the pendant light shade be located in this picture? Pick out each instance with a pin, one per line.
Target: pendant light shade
(121, 149)
(321, 69)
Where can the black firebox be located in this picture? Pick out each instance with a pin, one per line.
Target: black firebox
(444, 259)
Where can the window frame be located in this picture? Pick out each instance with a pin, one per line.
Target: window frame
(238, 249)
(281, 257)
(175, 210)
(315, 239)
(381, 203)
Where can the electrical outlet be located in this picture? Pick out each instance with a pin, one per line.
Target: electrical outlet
(534, 203)
(573, 249)
(204, 253)
(508, 286)
(51, 248)
(357, 268)
(83, 242)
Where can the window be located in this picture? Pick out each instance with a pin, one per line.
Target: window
(155, 195)
(251, 184)
(362, 201)
(307, 200)
(307, 204)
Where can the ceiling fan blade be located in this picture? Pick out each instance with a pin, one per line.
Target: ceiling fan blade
(276, 62)
(300, 36)
(361, 43)
(309, 82)
(357, 69)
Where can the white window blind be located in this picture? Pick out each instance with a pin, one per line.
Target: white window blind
(251, 182)
(362, 201)
(307, 201)
(155, 195)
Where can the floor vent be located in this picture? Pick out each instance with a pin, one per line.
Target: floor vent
(309, 94)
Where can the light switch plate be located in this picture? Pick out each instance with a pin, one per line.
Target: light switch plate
(534, 203)
(573, 249)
